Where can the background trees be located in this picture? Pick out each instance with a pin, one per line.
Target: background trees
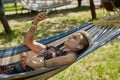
(6, 26)
(3, 19)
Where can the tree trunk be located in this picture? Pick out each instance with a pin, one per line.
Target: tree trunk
(79, 3)
(92, 8)
(4, 20)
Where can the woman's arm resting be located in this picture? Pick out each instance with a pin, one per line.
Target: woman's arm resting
(62, 60)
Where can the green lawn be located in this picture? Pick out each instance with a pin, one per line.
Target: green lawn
(11, 7)
(102, 64)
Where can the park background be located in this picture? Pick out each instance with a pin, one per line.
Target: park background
(102, 64)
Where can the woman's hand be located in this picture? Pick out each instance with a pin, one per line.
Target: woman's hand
(41, 16)
(23, 58)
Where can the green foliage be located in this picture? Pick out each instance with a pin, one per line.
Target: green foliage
(11, 7)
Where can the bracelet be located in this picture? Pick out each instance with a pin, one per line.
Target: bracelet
(33, 23)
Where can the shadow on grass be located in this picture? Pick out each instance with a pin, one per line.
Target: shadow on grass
(63, 11)
(17, 36)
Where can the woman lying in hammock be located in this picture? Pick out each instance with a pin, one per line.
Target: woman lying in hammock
(48, 56)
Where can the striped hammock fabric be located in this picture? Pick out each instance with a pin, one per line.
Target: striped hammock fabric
(101, 34)
(37, 5)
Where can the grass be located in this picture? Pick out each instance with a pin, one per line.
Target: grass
(11, 7)
(53, 25)
(102, 64)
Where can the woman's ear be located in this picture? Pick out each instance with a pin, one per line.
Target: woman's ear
(80, 47)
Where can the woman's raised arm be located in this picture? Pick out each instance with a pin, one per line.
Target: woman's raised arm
(28, 41)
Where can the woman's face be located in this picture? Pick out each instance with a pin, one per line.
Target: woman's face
(74, 41)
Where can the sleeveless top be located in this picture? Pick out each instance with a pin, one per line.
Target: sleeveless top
(13, 69)
(7, 69)
(52, 52)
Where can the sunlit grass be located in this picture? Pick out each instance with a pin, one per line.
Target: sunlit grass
(11, 7)
(48, 27)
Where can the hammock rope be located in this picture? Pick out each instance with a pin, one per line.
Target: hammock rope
(107, 22)
(103, 34)
(112, 20)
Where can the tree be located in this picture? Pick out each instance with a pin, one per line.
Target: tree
(79, 3)
(4, 19)
(92, 8)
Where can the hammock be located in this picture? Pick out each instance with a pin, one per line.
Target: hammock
(101, 34)
(37, 5)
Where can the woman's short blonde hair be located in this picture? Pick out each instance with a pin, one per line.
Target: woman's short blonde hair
(85, 41)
